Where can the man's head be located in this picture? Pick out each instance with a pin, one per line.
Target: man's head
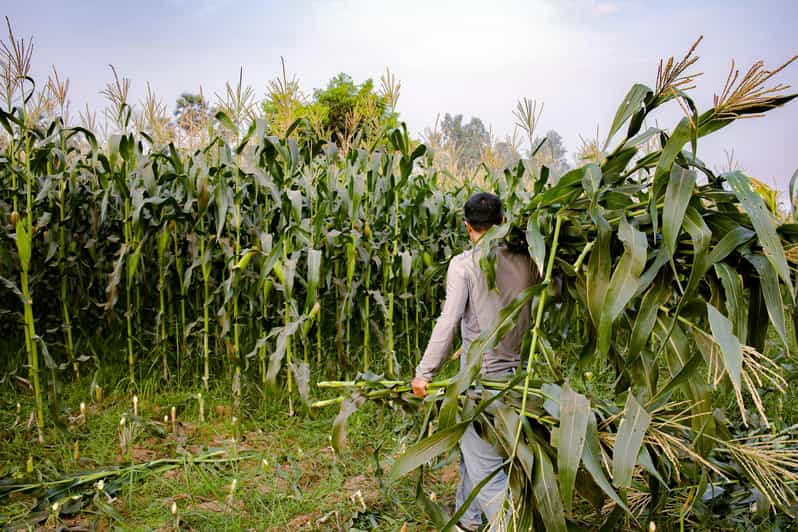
(483, 210)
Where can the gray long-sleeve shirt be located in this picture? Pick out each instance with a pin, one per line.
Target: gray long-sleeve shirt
(474, 308)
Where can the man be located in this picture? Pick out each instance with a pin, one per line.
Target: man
(472, 306)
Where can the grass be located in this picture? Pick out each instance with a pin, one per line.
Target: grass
(286, 475)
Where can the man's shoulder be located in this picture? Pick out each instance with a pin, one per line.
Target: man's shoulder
(460, 260)
(460, 264)
(462, 256)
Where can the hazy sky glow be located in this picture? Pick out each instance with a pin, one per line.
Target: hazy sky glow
(476, 58)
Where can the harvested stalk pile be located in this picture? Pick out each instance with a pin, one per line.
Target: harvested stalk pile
(672, 276)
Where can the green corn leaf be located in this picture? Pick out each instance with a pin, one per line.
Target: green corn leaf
(632, 103)
(633, 427)
(677, 196)
(223, 198)
(467, 374)
(655, 297)
(599, 267)
(574, 413)
(736, 307)
(680, 136)
(506, 424)
(624, 282)
(48, 359)
(591, 459)
(485, 251)
(701, 236)
(728, 243)
(420, 150)
(567, 187)
(427, 449)
(5, 122)
(163, 241)
(644, 459)
(763, 224)
(772, 294)
(314, 274)
(133, 263)
(225, 120)
(681, 378)
(546, 493)
(591, 180)
(757, 315)
(536, 244)
(729, 344)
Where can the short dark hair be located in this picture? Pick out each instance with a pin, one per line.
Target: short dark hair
(483, 210)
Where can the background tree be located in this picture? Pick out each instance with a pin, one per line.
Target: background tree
(191, 110)
(468, 140)
(552, 154)
(347, 108)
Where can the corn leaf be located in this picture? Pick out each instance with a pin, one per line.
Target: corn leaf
(574, 413)
(655, 297)
(631, 104)
(536, 244)
(728, 243)
(546, 493)
(763, 223)
(225, 120)
(591, 458)
(729, 344)
(680, 136)
(681, 378)
(599, 267)
(677, 196)
(624, 282)
(591, 180)
(735, 303)
(633, 427)
(506, 425)
(434, 510)
(772, 294)
(133, 263)
(427, 449)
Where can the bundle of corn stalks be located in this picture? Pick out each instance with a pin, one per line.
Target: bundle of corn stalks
(672, 276)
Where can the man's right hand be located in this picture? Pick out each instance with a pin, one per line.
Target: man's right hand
(419, 386)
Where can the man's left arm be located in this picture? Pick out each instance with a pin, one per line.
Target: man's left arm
(442, 339)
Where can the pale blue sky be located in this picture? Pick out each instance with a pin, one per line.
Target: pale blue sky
(475, 58)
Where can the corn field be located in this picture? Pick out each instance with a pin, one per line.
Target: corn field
(265, 262)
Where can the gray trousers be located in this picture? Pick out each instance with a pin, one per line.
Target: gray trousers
(478, 459)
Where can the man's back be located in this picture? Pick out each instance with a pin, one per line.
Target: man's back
(476, 307)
